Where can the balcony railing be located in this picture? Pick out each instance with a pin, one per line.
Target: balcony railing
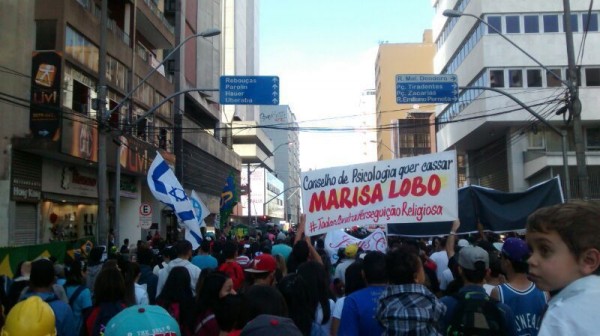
(110, 25)
(160, 15)
(594, 187)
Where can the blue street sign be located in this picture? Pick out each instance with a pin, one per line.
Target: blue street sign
(249, 90)
(425, 88)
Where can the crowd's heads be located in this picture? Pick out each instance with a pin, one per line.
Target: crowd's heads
(109, 286)
(142, 320)
(270, 325)
(374, 267)
(95, 255)
(264, 263)
(183, 248)
(516, 251)
(32, 316)
(263, 300)
(474, 262)
(403, 265)
(354, 278)
(42, 273)
(350, 251)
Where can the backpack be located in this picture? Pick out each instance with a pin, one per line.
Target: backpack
(476, 314)
(75, 294)
(97, 318)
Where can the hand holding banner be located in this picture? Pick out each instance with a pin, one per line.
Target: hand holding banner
(408, 190)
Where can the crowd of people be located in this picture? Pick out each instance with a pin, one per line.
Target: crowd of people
(545, 283)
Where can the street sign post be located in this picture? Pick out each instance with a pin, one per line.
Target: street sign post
(426, 88)
(145, 212)
(249, 90)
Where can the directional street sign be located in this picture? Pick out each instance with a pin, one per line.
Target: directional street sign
(424, 88)
(249, 90)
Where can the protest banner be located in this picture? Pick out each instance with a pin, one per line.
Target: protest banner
(334, 240)
(409, 190)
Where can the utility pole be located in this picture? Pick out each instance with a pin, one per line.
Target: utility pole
(178, 103)
(102, 237)
(575, 106)
(248, 193)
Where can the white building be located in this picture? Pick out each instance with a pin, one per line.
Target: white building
(506, 147)
(286, 153)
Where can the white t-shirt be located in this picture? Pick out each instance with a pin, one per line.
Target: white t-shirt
(574, 311)
(340, 270)
(337, 309)
(141, 294)
(325, 328)
(441, 260)
(446, 279)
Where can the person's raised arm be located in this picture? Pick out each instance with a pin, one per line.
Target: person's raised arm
(314, 255)
(452, 238)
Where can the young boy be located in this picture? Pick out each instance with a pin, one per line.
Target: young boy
(565, 241)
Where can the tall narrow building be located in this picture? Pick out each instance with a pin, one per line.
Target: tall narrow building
(404, 129)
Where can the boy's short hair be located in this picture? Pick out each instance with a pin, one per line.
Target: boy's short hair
(577, 224)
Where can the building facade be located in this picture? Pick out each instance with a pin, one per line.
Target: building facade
(403, 129)
(49, 171)
(504, 146)
(286, 154)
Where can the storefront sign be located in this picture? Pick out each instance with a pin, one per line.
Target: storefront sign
(26, 190)
(26, 177)
(45, 113)
(80, 137)
(135, 155)
(68, 179)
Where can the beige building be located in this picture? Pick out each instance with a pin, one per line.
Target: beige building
(404, 130)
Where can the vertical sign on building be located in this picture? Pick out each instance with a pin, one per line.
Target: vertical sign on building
(44, 119)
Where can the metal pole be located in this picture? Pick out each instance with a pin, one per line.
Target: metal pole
(563, 135)
(248, 191)
(575, 105)
(178, 104)
(538, 117)
(102, 237)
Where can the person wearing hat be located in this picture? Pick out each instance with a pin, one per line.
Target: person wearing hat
(262, 270)
(270, 325)
(40, 284)
(519, 293)
(32, 316)
(473, 265)
(349, 257)
(142, 320)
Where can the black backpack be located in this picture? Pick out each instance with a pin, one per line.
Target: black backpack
(476, 314)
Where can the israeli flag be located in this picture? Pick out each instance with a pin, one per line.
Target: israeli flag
(200, 209)
(166, 188)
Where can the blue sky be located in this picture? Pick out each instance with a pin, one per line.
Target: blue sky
(324, 53)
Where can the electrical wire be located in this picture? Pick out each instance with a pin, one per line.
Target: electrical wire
(585, 33)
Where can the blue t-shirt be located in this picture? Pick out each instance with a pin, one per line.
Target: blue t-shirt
(205, 261)
(83, 301)
(359, 313)
(527, 305)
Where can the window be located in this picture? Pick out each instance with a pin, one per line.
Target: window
(513, 24)
(574, 23)
(532, 24)
(534, 78)
(550, 23)
(516, 78)
(496, 22)
(589, 23)
(496, 78)
(592, 137)
(592, 77)
(45, 35)
(535, 139)
(551, 80)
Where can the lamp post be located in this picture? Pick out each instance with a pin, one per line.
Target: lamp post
(386, 146)
(103, 115)
(573, 103)
(249, 172)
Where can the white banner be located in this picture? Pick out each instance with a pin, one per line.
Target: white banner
(334, 240)
(409, 190)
